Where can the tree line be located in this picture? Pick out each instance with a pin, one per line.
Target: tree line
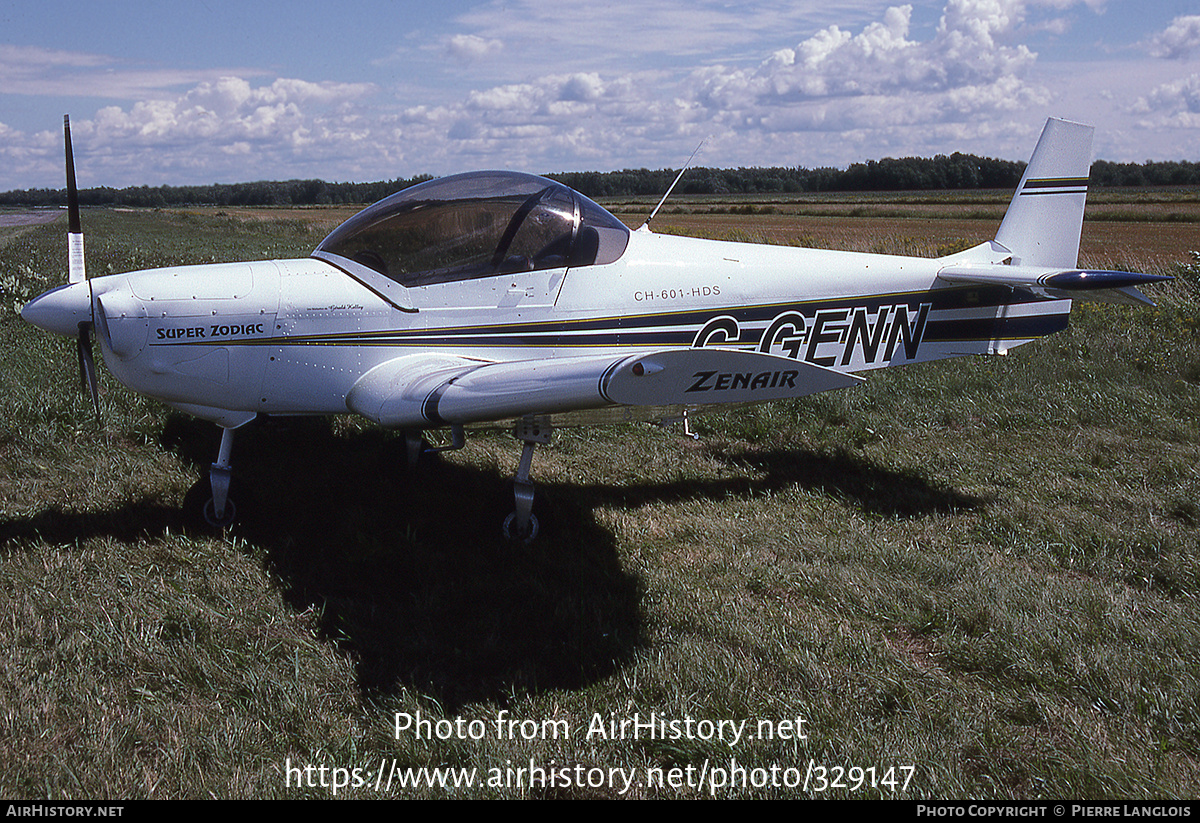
(943, 172)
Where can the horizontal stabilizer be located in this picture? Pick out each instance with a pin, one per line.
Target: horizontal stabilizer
(1074, 284)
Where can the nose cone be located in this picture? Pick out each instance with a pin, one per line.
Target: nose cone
(61, 310)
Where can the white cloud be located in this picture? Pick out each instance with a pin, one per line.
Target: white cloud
(776, 87)
(222, 112)
(226, 129)
(32, 70)
(1172, 105)
(1178, 39)
(468, 47)
(883, 77)
(880, 79)
(582, 87)
(614, 33)
(16, 59)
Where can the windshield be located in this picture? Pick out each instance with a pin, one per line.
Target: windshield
(476, 225)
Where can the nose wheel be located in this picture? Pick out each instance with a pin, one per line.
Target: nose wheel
(210, 498)
(225, 520)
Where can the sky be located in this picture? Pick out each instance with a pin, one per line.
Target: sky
(213, 91)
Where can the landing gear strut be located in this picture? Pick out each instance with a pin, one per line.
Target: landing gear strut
(219, 510)
(522, 525)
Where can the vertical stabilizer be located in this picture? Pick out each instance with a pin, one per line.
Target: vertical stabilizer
(1044, 220)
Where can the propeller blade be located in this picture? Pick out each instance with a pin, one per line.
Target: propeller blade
(76, 272)
(87, 366)
(75, 265)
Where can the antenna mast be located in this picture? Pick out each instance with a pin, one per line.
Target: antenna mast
(686, 166)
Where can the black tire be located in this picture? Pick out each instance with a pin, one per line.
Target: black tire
(510, 531)
(198, 507)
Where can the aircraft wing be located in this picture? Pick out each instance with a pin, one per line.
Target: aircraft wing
(1075, 284)
(422, 390)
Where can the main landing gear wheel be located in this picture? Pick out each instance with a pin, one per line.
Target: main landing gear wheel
(511, 533)
(521, 525)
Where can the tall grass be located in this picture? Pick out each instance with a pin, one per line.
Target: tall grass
(985, 570)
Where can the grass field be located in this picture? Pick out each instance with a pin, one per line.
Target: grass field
(971, 579)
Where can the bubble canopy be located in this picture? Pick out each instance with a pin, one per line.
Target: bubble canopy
(479, 224)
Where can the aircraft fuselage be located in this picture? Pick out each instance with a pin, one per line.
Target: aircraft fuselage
(293, 336)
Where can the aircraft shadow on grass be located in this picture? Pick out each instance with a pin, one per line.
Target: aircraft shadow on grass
(409, 575)
(842, 475)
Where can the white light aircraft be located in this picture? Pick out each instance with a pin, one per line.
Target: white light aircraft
(496, 296)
